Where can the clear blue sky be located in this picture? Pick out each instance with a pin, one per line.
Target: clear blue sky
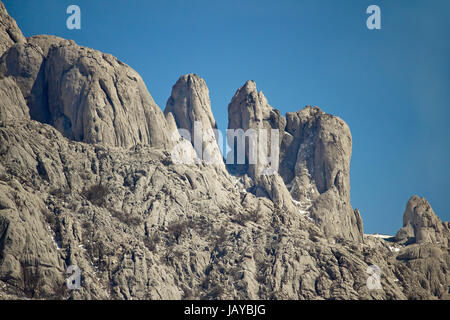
(392, 86)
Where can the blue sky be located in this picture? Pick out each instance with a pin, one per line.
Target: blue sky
(391, 85)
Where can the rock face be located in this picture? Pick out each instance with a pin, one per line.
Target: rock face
(87, 95)
(314, 158)
(421, 225)
(250, 110)
(321, 148)
(190, 107)
(140, 225)
(12, 103)
(23, 62)
(9, 31)
(315, 161)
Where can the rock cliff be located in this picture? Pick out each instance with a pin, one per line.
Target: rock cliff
(87, 95)
(190, 107)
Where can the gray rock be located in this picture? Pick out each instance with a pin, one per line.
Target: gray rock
(174, 231)
(422, 225)
(190, 103)
(141, 226)
(321, 147)
(12, 103)
(94, 98)
(315, 160)
(9, 31)
(24, 62)
(87, 95)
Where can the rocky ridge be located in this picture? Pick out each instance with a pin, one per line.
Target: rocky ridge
(87, 179)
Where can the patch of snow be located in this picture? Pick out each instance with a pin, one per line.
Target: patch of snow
(377, 235)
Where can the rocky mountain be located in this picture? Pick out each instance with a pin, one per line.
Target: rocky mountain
(88, 178)
(9, 31)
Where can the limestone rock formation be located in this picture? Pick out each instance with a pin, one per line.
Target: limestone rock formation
(12, 103)
(250, 110)
(315, 161)
(190, 107)
(321, 149)
(422, 225)
(182, 150)
(140, 225)
(314, 158)
(87, 95)
(9, 31)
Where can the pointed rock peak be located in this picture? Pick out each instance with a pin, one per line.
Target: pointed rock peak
(248, 89)
(421, 224)
(190, 102)
(190, 80)
(190, 106)
(247, 97)
(417, 207)
(249, 109)
(250, 85)
(9, 31)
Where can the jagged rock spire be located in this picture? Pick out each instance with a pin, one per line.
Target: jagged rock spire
(190, 106)
(9, 31)
(87, 95)
(422, 225)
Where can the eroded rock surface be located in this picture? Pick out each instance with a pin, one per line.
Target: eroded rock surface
(422, 225)
(87, 95)
(9, 31)
(190, 107)
(250, 112)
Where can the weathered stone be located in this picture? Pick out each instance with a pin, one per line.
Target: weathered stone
(87, 95)
(422, 225)
(320, 146)
(12, 103)
(9, 31)
(250, 110)
(95, 98)
(139, 225)
(190, 107)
